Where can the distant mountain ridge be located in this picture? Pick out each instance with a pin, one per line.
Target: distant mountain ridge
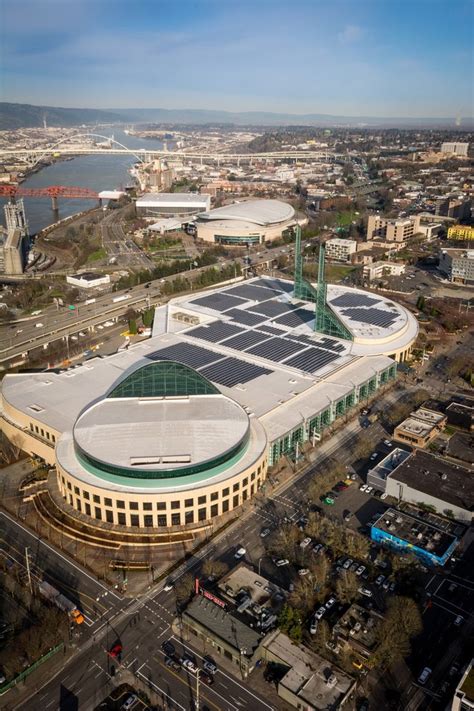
(29, 116)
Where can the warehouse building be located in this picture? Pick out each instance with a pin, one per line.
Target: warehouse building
(408, 534)
(424, 478)
(172, 204)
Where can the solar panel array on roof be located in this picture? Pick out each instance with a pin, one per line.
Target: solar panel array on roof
(215, 332)
(311, 359)
(219, 301)
(331, 344)
(245, 340)
(232, 371)
(285, 286)
(271, 308)
(276, 349)
(186, 353)
(246, 317)
(271, 330)
(354, 300)
(374, 317)
(251, 292)
(296, 318)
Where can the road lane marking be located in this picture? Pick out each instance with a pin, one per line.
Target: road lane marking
(156, 687)
(231, 678)
(37, 538)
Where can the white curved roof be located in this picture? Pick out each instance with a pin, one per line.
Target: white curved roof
(161, 433)
(258, 212)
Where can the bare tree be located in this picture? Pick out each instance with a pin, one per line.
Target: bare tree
(214, 568)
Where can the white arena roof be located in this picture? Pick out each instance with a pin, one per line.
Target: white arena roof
(161, 433)
(258, 212)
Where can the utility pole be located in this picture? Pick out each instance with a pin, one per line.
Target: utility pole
(28, 571)
(197, 689)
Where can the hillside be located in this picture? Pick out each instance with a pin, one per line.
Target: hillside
(27, 116)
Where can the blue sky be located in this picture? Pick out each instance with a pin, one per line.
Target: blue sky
(351, 57)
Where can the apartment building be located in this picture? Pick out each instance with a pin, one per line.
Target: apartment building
(455, 149)
(389, 230)
(457, 207)
(463, 699)
(340, 250)
(378, 270)
(461, 232)
(458, 265)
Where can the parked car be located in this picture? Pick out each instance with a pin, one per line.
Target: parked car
(373, 456)
(348, 516)
(362, 487)
(379, 580)
(168, 648)
(283, 561)
(425, 674)
(459, 620)
(329, 500)
(116, 650)
(317, 547)
(172, 663)
(320, 612)
(360, 570)
(240, 552)
(305, 542)
(387, 443)
(369, 489)
(384, 496)
(366, 592)
(188, 664)
(354, 567)
(206, 678)
(209, 666)
(129, 702)
(386, 585)
(314, 626)
(347, 564)
(303, 571)
(264, 533)
(330, 603)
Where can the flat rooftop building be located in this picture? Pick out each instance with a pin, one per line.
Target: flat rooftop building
(424, 478)
(409, 534)
(311, 682)
(420, 428)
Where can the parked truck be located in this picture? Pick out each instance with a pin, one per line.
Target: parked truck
(50, 593)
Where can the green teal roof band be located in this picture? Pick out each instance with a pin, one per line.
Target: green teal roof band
(163, 379)
(164, 483)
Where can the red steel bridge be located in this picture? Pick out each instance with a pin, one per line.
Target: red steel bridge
(51, 191)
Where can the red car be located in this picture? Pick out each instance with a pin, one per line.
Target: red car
(116, 650)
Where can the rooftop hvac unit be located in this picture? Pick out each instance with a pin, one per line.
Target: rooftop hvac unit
(419, 536)
(399, 519)
(332, 681)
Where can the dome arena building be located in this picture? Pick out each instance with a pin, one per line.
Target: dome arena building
(249, 222)
(178, 430)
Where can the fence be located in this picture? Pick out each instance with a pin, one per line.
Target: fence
(27, 672)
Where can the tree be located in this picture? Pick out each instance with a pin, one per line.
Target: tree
(346, 587)
(289, 621)
(214, 568)
(184, 588)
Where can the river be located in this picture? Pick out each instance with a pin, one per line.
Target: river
(98, 172)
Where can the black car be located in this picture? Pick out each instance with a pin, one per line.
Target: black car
(168, 648)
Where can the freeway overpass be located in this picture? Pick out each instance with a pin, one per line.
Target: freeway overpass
(20, 338)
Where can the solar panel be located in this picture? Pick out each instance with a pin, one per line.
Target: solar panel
(246, 317)
(331, 344)
(219, 301)
(276, 349)
(354, 300)
(271, 308)
(311, 359)
(284, 285)
(186, 353)
(245, 340)
(374, 317)
(216, 331)
(268, 283)
(271, 330)
(251, 292)
(232, 371)
(296, 318)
